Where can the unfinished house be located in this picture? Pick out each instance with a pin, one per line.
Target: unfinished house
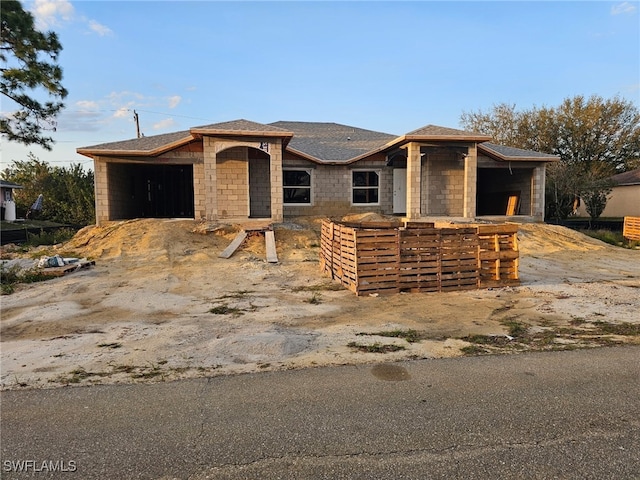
(241, 169)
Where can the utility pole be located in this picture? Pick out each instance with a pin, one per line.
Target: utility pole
(137, 120)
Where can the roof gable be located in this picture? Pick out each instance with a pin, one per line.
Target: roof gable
(437, 132)
(333, 142)
(240, 127)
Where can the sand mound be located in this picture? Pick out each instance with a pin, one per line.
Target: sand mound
(160, 303)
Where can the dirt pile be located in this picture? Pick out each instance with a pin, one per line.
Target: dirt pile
(160, 304)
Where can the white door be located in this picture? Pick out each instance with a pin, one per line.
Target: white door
(399, 190)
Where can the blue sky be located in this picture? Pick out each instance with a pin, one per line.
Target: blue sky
(385, 66)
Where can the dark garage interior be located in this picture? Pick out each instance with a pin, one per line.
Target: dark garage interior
(150, 191)
(504, 191)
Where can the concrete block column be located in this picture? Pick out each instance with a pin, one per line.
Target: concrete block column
(470, 182)
(277, 195)
(101, 189)
(414, 173)
(537, 193)
(209, 187)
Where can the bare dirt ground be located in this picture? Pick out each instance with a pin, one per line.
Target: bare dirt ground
(160, 305)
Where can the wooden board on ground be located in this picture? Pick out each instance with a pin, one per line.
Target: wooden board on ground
(233, 246)
(69, 268)
(270, 241)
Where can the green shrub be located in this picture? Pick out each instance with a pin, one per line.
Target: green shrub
(51, 237)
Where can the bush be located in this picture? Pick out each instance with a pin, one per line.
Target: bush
(51, 237)
(10, 277)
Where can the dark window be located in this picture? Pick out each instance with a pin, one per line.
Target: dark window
(297, 186)
(365, 187)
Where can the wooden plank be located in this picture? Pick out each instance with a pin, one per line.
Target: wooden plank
(233, 246)
(270, 242)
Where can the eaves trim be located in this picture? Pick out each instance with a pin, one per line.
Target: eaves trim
(88, 152)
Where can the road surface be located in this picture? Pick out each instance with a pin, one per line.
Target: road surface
(567, 415)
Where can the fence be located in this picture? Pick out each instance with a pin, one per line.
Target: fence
(418, 257)
(631, 229)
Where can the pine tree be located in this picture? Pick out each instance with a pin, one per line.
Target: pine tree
(29, 66)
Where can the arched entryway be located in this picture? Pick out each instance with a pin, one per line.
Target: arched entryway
(244, 182)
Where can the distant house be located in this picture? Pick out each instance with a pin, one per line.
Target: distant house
(242, 169)
(7, 200)
(624, 200)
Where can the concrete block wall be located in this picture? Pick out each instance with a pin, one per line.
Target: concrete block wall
(101, 190)
(199, 197)
(443, 185)
(537, 192)
(331, 188)
(210, 189)
(233, 182)
(470, 182)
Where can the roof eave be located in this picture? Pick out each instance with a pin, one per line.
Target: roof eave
(136, 153)
(505, 158)
(306, 156)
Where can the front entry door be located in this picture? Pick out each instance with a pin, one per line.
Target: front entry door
(400, 190)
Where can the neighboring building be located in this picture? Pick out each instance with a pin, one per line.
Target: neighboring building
(624, 199)
(7, 200)
(242, 169)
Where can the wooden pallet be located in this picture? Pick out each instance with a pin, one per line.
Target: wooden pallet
(69, 268)
(631, 229)
(379, 258)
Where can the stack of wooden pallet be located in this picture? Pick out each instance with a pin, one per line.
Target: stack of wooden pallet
(417, 257)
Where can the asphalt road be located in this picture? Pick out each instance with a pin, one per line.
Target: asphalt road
(567, 415)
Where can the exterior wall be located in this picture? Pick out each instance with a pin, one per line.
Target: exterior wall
(199, 193)
(537, 192)
(101, 190)
(417, 201)
(470, 182)
(624, 201)
(443, 184)
(331, 188)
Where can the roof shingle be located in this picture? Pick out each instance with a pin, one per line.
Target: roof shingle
(333, 142)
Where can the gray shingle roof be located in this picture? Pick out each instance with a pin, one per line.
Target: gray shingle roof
(240, 125)
(7, 184)
(438, 132)
(511, 153)
(632, 177)
(333, 142)
(321, 141)
(143, 144)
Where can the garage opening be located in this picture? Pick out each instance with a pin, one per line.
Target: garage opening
(150, 191)
(503, 191)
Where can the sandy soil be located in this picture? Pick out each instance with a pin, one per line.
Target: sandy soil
(145, 312)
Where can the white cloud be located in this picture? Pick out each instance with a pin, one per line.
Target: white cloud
(100, 29)
(174, 101)
(122, 112)
(163, 124)
(87, 105)
(49, 13)
(623, 8)
(53, 13)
